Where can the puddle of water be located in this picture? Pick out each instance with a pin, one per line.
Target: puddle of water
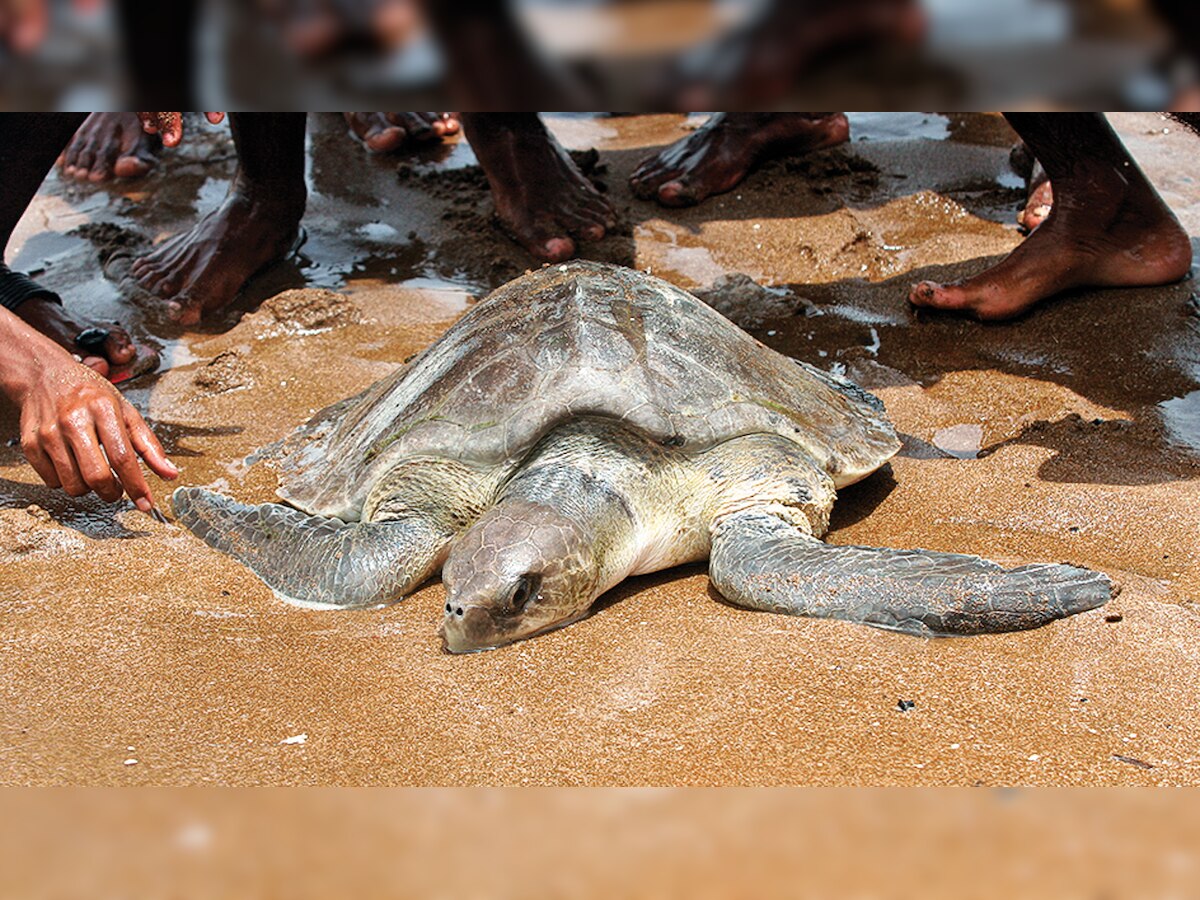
(1181, 419)
(378, 232)
(873, 347)
(581, 131)
(865, 316)
(898, 126)
(450, 292)
(211, 194)
(43, 250)
(175, 353)
(962, 441)
(672, 253)
(1039, 362)
(1011, 180)
(460, 156)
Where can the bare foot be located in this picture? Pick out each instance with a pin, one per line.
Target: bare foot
(206, 268)
(1119, 234)
(1039, 196)
(726, 149)
(400, 131)
(108, 145)
(114, 351)
(542, 199)
(1039, 202)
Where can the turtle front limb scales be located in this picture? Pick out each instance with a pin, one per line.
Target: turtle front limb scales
(759, 561)
(314, 560)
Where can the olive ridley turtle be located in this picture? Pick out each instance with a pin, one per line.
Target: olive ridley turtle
(586, 423)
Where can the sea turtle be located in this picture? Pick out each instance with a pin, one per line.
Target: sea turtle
(585, 423)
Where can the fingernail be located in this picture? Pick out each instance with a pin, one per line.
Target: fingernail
(144, 504)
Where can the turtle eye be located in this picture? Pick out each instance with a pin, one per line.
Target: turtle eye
(525, 593)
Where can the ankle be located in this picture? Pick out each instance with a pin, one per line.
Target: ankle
(271, 201)
(38, 312)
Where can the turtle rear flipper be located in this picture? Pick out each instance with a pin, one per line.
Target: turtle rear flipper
(761, 562)
(313, 560)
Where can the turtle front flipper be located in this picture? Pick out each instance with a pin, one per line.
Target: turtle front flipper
(761, 562)
(314, 560)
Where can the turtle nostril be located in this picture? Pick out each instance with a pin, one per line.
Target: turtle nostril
(458, 611)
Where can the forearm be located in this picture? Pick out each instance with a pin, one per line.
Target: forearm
(27, 357)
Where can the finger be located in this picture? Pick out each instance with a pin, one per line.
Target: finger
(80, 433)
(69, 479)
(37, 458)
(147, 445)
(121, 456)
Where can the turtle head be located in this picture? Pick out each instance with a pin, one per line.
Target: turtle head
(522, 569)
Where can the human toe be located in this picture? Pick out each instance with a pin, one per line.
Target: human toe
(679, 193)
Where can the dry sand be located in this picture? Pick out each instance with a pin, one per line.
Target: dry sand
(133, 654)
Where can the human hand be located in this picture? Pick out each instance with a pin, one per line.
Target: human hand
(170, 124)
(80, 434)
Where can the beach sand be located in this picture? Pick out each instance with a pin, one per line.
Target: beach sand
(134, 654)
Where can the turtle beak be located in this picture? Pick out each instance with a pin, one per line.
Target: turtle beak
(469, 629)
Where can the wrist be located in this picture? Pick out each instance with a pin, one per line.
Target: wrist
(26, 357)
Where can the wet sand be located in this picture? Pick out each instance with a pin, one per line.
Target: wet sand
(1072, 435)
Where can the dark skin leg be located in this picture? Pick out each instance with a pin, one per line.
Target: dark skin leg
(1039, 201)
(393, 132)
(110, 145)
(764, 60)
(541, 197)
(206, 267)
(718, 156)
(1039, 197)
(29, 144)
(1108, 226)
